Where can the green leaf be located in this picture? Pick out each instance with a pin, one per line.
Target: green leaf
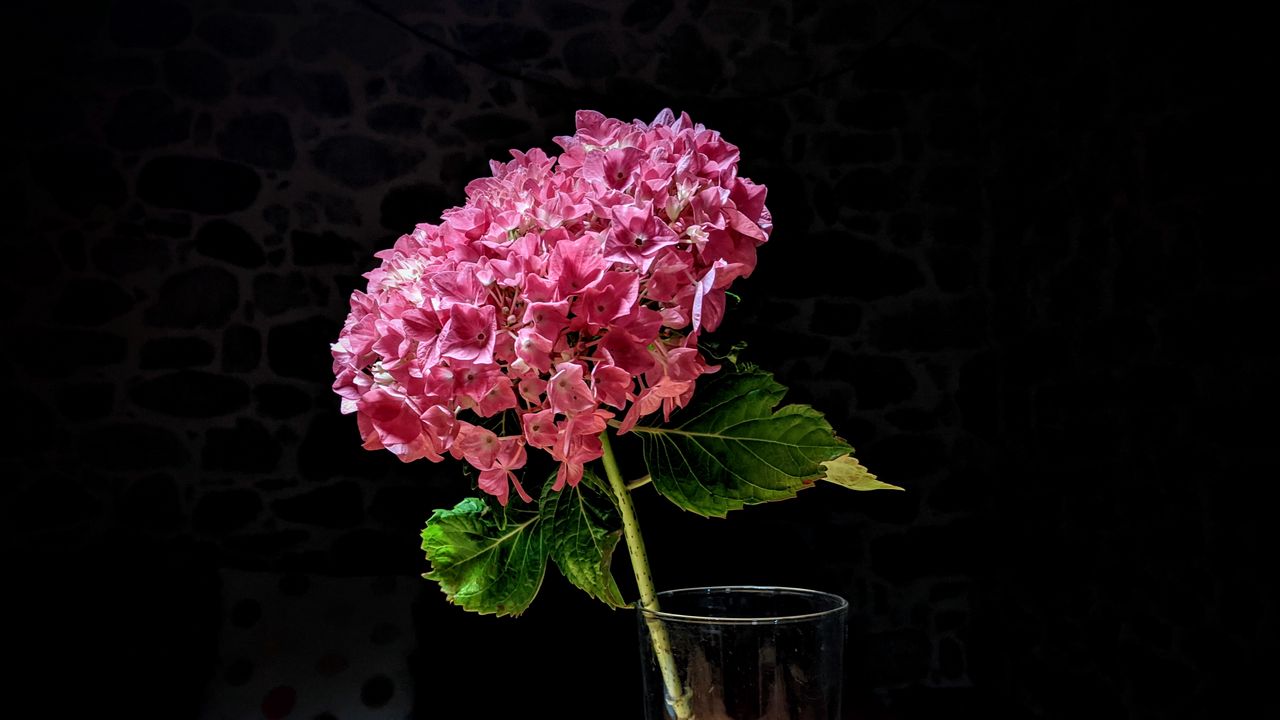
(846, 471)
(487, 558)
(584, 527)
(729, 448)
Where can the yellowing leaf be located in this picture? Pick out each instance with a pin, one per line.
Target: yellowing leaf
(848, 472)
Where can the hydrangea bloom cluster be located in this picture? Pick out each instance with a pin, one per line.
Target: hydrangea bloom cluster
(568, 291)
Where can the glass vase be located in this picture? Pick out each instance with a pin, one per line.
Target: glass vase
(743, 653)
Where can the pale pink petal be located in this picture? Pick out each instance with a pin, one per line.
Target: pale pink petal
(567, 391)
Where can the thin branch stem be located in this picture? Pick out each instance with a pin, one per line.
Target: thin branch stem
(677, 698)
(639, 482)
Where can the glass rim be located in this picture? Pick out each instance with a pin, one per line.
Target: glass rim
(839, 605)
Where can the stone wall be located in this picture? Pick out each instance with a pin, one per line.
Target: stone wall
(1007, 266)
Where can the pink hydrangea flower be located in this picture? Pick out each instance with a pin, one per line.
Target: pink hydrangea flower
(567, 291)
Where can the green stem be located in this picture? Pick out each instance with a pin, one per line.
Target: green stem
(677, 698)
(639, 483)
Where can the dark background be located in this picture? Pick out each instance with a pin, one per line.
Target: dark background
(1016, 262)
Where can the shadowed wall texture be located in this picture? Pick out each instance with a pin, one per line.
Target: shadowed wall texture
(1012, 263)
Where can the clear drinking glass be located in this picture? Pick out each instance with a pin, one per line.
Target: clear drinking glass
(743, 653)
